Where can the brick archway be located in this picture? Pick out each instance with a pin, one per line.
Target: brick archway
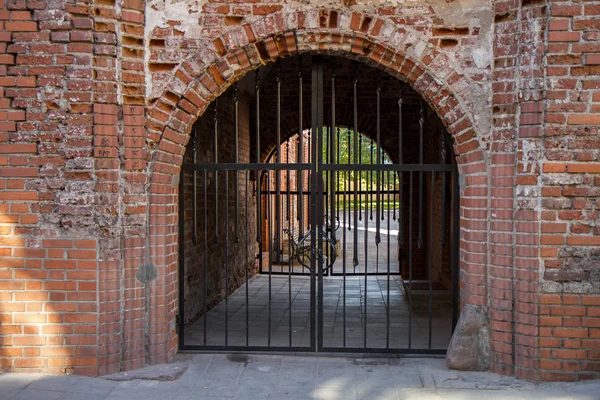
(201, 79)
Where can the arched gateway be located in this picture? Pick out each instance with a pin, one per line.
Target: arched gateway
(318, 212)
(190, 92)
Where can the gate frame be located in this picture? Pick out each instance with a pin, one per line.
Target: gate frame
(317, 166)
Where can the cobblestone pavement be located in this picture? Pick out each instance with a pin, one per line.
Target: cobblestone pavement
(290, 377)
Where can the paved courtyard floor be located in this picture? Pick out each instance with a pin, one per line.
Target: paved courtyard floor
(290, 377)
(388, 318)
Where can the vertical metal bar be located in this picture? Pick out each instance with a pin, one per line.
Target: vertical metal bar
(270, 240)
(205, 313)
(333, 153)
(195, 192)
(287, 182)
(443, 201)
(290, 258)
(290, 269)
(259, 218)
(370, 204)
(310, 146)
(247, 265)
(378, 173)
(356, 152)
(326, 160)
(278, 173)
(257, 99)
(421, 122)
(226, 257)
(313, 196)
(370, 183)
(259, 174)
(360, 147)
(300, 151)
(390, 175)
(320, 188)
(400, 181)
(237, 158)
(382, 183)
(398, 177)
(346, 180)
(216, 175)
(338, 156)
(377, 231)
(455, 237)
(410, 256)
(431, 257)
(394, 192)
(346, 221)
(366, 276)
(181, 256)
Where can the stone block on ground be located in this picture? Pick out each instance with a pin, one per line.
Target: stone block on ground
(469, 348)
(161, 372)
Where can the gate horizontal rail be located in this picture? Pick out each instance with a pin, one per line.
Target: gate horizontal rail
(325, 167)
(248, 167)
(390, 167)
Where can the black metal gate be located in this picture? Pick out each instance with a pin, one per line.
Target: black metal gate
(331, 243)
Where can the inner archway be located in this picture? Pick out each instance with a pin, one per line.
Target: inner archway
(251, 210)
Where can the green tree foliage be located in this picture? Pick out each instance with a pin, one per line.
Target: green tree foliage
(365, 153)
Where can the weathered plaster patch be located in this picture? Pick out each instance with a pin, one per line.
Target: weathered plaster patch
(182, 14)
(458, 12)
(482, 115)
(475, 14)
(338, 3)
(483, 54)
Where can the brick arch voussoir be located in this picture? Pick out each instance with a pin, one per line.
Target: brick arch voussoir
(281, 35)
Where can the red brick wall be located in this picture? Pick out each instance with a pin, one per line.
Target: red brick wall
(217, 285)
(95, 111)
(48, 267)
(514, 216)
(569, 318)
(72, 155)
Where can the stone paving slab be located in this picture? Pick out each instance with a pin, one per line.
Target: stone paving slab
(255, 377)
(338, 319)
